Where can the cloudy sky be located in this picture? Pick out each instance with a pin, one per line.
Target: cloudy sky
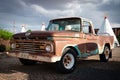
(33, 12)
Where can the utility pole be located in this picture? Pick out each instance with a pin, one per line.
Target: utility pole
(14, 28)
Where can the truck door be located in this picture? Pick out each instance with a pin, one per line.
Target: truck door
(91, 38)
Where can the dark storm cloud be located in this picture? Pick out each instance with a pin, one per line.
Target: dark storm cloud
(49, 4)
(89, 1)
(112, 9)
(18, 11)
(16, 7)
(10, 6)
(58, 4)
(23, 7)
(34, 12)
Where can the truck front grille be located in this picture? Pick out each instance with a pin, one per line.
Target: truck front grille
(29, 47)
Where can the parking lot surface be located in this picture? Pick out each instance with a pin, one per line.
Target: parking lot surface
(87, 69)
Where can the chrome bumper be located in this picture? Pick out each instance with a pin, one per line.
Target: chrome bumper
(35, 57)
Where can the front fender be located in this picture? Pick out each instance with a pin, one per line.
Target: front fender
(74, 47)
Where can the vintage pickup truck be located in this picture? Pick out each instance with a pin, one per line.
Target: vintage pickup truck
(64, 40)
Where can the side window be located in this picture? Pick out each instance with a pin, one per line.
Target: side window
(86, 27)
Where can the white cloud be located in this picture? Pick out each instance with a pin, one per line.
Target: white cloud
(71, 9)
(22, 3)
(105, 1)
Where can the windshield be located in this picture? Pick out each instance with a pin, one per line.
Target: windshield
(64, 24)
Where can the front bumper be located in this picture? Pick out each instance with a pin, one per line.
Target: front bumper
(35, 57)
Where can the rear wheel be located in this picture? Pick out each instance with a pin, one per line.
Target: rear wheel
(68, 61)
(27, 62)
(104, 57)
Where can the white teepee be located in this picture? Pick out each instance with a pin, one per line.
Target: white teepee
(23, 28)
(43, 27)
(106, 29)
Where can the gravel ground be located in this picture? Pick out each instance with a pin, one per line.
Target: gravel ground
(88, 69)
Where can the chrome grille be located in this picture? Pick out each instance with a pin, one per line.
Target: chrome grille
(29, 47)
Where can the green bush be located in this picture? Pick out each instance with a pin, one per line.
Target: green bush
(2, 48)
(6, 35)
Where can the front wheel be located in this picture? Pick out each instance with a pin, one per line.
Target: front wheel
(27, 62)
(68, 61)
(104, 57)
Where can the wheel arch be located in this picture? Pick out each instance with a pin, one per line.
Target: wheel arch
(75, 48)
(104, 57)
(107, 44)
(102, 47)
(67, 64)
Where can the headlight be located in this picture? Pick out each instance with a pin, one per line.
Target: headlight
(49, 48)
(13, 45)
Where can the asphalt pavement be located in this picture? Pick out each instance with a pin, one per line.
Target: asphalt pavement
(87, 69)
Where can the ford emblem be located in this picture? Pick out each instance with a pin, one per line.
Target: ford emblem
(27, 34)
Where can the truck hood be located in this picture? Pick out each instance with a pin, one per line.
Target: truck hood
(44, 34)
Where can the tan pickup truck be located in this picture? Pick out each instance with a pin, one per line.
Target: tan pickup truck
(64, 40)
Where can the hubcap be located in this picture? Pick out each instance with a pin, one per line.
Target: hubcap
(107, 52)
(68, 61)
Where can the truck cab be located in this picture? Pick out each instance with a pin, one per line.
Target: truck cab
(64, 40)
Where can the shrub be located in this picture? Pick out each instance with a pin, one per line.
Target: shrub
(4, 34)
(2, 48)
